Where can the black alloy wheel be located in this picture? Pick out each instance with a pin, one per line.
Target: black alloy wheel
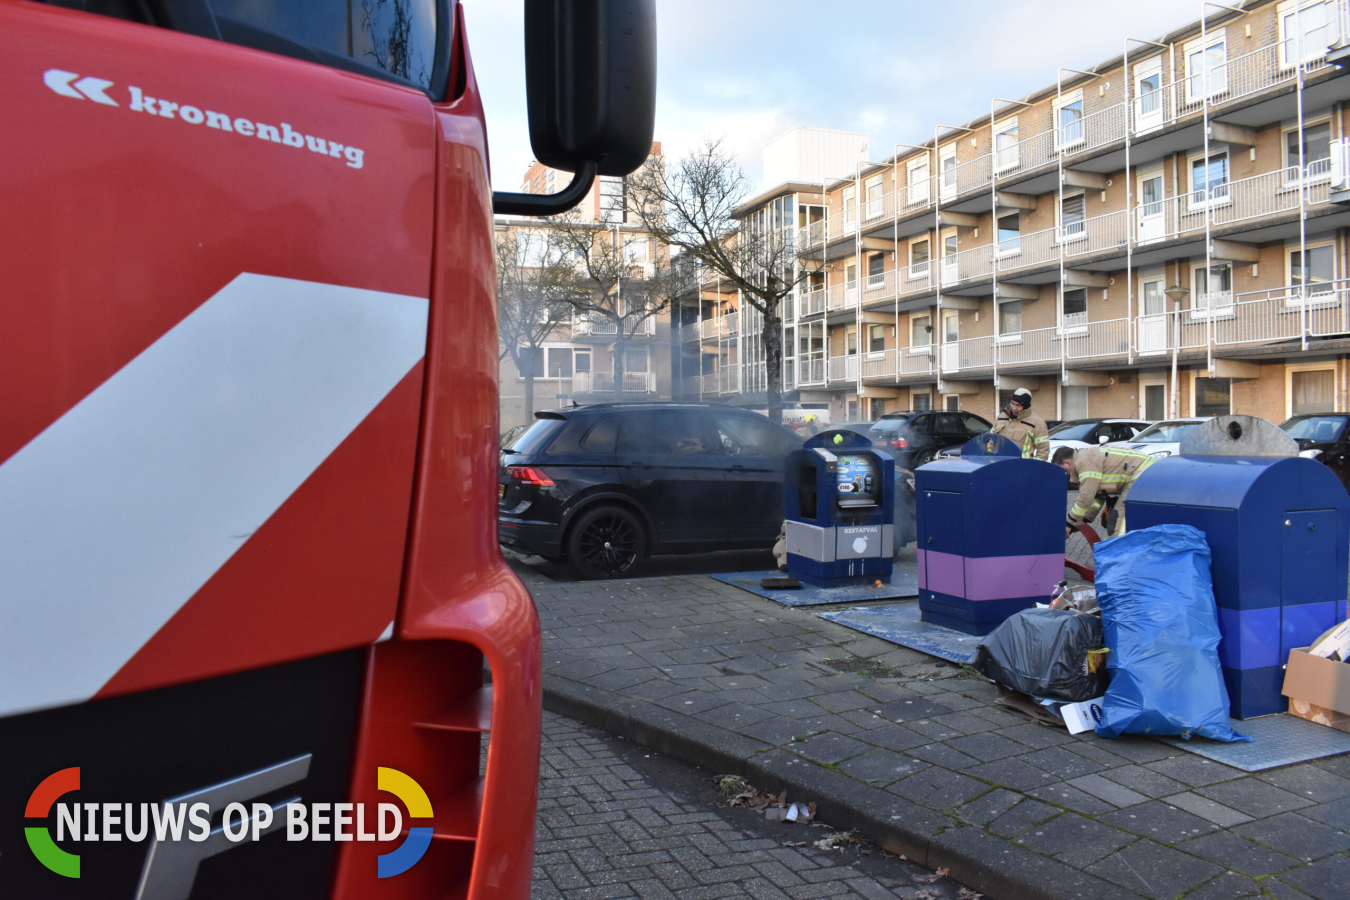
(924, 457)
(606, 542)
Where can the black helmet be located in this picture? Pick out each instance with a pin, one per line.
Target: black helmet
(1022, 396)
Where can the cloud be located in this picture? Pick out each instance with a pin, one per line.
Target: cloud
(748, 70)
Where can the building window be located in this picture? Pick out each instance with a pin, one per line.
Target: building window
(876, 204)
(952, 403)
(1213, 396)
(1069, 119)
(947, 166)
(1206, 67)
(559, 362)
(1075, 308)
(1320, 270)
(1213, 287)
(1010, 317)
(1316, 152)
(917, 172)
(1074, 403)
(850, 206)
(1005, 145)
(920, 331)
(1009, 234)
(851, 340)
(921, 402)
(532, 361)
(1312, 392)
(876, 275)
(951, 327)
(612, 199)
(1316, 21)
(1072, 218)
(876, 338)
(581, 360)
(851, 276)
(919, 254)
(876, 407)
(1209, 180)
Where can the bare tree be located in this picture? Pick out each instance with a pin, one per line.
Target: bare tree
(614, 283)
(534, 283)
(692, 207)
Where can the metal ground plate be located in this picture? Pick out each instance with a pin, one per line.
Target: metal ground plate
(904, 582)
(900, 624)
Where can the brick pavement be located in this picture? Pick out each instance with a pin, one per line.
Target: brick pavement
(918, 754)
(614, 823)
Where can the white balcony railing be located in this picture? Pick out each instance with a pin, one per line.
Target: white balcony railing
(917, 360)
(811, 368)
(879, 364)
(592, 324)
(842, 296)
(968, 353)
(812, 302)
(918, 278)
(843, 368)
(603, 382)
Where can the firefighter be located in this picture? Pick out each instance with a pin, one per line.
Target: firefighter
(1023, 427)
(1100, 473)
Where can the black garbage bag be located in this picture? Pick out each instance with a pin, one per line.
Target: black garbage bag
(1044, 653)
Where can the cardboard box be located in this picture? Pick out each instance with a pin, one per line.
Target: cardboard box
(1082, 716)
(1318, 689)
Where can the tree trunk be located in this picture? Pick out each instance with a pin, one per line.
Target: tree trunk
(528, 374)
(772, 337)
(620, 345)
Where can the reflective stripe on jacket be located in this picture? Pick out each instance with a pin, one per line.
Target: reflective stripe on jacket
(1027, 431)
(1105, 471)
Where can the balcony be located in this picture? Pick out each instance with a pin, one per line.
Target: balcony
(719, 327)
(967, 353)
(603, 383)
(811, 368)
(1277, 316)
(843, 368)
(842, 296)
(967, 265)
(813, 303)
(879, 364)
(812, 236)
(592, 325)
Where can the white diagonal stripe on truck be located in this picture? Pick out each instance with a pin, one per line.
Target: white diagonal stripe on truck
(115, 515)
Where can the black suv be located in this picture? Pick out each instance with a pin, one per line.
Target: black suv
(1324, 437)
(605, 486)
(914, 438)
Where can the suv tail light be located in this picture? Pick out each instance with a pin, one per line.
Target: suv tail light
(899, 443)
(529, 475)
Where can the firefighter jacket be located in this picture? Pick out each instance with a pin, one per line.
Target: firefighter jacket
(1103, 472)
(1027, 431)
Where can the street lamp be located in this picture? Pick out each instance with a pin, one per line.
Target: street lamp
(1176, 293)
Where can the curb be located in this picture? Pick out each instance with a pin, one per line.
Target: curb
(991, 865)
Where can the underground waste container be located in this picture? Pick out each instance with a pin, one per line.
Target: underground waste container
(839, 506)
(990, 534)
(1278, 528)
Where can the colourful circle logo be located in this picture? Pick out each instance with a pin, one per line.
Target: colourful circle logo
(40, 839)
(406, 855)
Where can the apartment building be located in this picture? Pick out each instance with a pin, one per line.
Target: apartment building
(575, 362)
(1182, 208)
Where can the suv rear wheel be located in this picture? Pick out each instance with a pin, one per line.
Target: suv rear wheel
(606, 542)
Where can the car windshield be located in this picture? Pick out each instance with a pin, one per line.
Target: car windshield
(1073, 431)
(535, 436)
(1165, 432)
(1315, 428)
(889, 426)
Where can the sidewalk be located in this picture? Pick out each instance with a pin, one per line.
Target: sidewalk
(916, 754)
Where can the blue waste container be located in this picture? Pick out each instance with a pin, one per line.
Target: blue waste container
(838, 502)
(1278, 528)
(990, 534)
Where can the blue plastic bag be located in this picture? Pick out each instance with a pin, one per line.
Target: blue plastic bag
(1161, 628)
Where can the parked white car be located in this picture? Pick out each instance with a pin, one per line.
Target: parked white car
(1080, 433)
(1162, 438)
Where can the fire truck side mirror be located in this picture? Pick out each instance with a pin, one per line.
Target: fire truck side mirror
(590, 77)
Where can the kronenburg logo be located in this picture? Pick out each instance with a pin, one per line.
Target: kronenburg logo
(40, 839)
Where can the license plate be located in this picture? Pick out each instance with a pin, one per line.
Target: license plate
(501, 491)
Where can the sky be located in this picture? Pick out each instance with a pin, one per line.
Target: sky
(746, 71)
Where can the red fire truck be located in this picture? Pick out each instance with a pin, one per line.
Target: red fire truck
(248, 442)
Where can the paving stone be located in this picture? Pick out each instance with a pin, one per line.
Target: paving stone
(1035, 735)
(1328, 879)
(1254, 797)
(1104, 789)
(734, 716)
(1228, 886)
(1194, 770)
(830, 748)
(987, 746)
(1296, 835)
(1205, 808)
(985, 809)
(1075, 840)
(1070, 797)
(1307, 780)
(1237, 853)
(1027, 814)
(1159, 822)
(1013, 773)
(1336, 814)
(1145, 781)
(938, 789)
(1061, 763)
(895, 737)
(881, 767)
(1154, 870)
